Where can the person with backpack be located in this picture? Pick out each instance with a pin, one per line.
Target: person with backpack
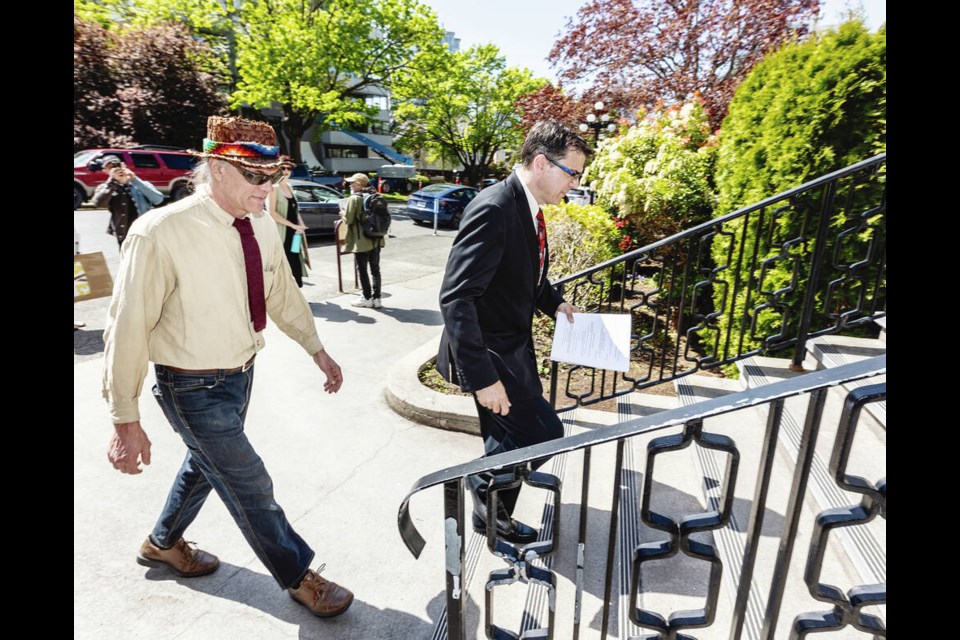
(367, 221)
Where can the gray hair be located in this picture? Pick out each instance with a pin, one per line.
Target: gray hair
(553, 139)
(201, 173)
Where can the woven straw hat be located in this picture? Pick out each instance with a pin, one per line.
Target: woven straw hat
(248, 143)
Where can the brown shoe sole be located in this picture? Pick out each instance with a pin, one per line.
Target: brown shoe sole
(323, 615)
(147, 562)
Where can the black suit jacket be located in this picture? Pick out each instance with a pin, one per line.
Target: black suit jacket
(490, 292)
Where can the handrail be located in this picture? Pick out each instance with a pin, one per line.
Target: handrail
(709, 224)
(760, 280)
(669, 418)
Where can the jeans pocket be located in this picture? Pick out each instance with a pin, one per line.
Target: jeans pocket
(183, 383)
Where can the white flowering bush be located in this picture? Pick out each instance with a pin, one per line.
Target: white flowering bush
(658, 176)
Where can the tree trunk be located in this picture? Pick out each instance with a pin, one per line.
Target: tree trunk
(294, 126)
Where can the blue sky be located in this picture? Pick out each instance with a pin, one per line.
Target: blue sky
(525, 30)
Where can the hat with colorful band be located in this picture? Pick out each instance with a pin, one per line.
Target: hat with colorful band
(249, 143)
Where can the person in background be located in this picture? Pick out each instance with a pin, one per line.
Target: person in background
(196, 282)
(282, 206)
(495, 279)
(366, 250)
(125, 195)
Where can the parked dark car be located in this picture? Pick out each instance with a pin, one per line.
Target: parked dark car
(453, 200)
(319, 206)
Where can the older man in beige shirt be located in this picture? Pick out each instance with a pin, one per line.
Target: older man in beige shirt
(189, 299)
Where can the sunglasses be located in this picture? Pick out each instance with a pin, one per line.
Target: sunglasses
(257, 179)
(576, 175)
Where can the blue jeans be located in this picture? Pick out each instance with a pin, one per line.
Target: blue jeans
(208, 412)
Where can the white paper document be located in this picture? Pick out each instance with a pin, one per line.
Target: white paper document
(599, 340)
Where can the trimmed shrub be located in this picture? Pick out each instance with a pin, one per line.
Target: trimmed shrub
(808, 109)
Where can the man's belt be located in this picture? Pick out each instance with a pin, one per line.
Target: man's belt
(212, 372)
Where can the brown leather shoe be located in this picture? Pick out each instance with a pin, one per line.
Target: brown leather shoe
(183, 558)
(322, 597)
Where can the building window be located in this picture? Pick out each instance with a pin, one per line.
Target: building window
(345, 151)
(379, 127)
(380, 102)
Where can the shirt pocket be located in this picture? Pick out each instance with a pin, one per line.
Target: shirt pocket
(269, 271)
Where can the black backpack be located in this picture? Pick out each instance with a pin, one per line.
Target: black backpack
(376, 216)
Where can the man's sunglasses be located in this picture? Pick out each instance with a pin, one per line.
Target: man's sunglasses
(258, 179)
(576, 175)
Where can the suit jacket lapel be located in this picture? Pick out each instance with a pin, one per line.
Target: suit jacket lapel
(526, 222)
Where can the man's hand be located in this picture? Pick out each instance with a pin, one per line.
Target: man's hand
(121, 174)
(331, 369)
(568, 310)
(129, 447)
(494, 398)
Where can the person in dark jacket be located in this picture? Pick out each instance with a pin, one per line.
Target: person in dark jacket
(495, 280)
(125, 195)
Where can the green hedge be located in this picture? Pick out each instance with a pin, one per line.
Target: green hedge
(806, 110)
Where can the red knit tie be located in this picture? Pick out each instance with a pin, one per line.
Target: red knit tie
(251, 258)
(542, 241)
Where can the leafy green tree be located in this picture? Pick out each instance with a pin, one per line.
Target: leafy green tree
(313, 58)
(467, 111)
(809, 109)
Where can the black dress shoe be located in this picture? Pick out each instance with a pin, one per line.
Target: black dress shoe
(509, 530)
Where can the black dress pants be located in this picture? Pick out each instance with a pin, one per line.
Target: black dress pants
(528, 422)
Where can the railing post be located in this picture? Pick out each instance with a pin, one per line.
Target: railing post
(454, 545)
(819, 249)
(554, 369)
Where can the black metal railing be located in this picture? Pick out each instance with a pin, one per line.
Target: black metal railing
(689, 536)
(761, 280)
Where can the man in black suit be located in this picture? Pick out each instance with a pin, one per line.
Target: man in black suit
(494, 281)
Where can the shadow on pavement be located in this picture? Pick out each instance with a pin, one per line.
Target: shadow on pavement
(87, 342)
(335, 313)
(260, 591)
(427, 317)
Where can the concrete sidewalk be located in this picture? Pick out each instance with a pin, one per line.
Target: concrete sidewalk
(341, 466)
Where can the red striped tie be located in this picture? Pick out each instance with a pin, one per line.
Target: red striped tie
(251, 258)
(542, 241)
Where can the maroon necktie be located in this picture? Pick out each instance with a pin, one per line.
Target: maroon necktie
(251, 258)
(542, 241)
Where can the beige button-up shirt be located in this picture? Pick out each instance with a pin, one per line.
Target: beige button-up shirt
(180, 298)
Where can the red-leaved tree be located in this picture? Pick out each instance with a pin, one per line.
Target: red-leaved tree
(549, 102)
(642, 54)
(149, 86)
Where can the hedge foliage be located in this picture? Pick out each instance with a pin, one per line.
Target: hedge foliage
(810, 108)
(580, 236)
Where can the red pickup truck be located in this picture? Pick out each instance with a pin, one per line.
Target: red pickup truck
(167, 169)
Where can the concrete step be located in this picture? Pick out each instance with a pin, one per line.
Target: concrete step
(833, 351)
(860, 551)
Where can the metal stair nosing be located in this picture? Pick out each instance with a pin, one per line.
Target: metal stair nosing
(865, 553)
(731, 543)
(834, 351)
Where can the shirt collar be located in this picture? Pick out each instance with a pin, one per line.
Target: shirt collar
(534, 207)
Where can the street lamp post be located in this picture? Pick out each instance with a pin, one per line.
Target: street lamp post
(598, 121)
